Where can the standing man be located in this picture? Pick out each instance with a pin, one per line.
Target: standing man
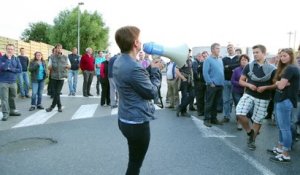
(213, 72)
(58, 66)
(114, 97)
(73, 72)
(230, 62)
(23, 80)
(136, 88)
(87, 68)
(199, 83)
(105, 95)
(257, 79)
(99, 59)
(10, 66)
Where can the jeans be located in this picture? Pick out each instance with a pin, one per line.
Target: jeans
(23, 83)
(227, 99)
(138, 138)
(113, 92)
(37, 92)
(57, 86)
(72, 81)
(212, 95)
(283, 111)
(8, 92)
(236, 97)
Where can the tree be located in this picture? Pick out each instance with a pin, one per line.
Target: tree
(37, 32)
(93, 32)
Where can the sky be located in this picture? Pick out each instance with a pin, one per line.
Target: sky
(243, 23)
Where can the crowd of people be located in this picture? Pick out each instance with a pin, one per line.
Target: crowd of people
(255, 89)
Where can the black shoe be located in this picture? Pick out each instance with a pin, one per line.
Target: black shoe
(207, 123)
(40, 107)
(90, 95)
(215, 122)
(14, 114)
(225, 120)
(85, 95)
(32, 108)
(59, 110)
(251, 136)
(5, 117)
(27, 96)
(49, 109)
(185, 114)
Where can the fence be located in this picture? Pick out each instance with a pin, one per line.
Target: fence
(30, 48)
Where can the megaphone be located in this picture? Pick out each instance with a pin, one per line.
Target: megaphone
(177, 54)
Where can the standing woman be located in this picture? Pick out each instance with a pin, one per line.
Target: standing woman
(237, 89)
(136, 87)
(287, 83)
(58, 66)
(38, 70)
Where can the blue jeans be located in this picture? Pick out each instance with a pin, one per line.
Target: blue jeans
(72, 80)
(23, 83)
(227, 99)
(37, 92)
(283, 118)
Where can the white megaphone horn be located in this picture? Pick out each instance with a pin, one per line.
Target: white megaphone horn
(177, 54)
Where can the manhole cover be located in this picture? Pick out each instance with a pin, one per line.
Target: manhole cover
(26, 144)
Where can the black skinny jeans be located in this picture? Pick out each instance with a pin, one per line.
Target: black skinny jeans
(138, 138)
(57, 86)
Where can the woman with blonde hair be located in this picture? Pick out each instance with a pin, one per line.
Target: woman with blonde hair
(38, 70)
(287, 84)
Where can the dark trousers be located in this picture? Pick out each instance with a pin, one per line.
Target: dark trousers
(87, 82)
(138, 138)
(200, 94)
(57, 86)
(213, 95)
(50, 87)
(98, 85)
(187, 95)
(105, 94)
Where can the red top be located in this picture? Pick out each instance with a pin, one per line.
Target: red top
(87, 62)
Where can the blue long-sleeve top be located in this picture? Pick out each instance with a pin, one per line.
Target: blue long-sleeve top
(9, 68)
(213, 71)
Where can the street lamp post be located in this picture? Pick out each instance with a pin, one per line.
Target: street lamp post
(78, 28)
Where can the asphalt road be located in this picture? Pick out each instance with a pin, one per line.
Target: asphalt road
(85, 140)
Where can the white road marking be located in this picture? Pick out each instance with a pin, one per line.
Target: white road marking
(85, 111)
(76, 96)
(222, 137)
(37, 118)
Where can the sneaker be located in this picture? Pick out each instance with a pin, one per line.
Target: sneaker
(215, 122)
(281, 158)
(251, 145)
(59, 110)
(14, 113)
(207, 123)
(49, 109)
(40, 107)
(274, 151)
(32, 108)
(5, 117)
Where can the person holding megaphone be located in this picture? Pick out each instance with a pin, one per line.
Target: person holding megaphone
(136, 87)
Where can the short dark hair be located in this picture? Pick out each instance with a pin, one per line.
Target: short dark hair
(21, 48)
(214, 45)
(262, 48)
(244, 56)
(125, 37)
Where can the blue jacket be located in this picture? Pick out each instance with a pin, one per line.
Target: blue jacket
(9, 68)
(136, 89)
(110, 66)
(213, 71)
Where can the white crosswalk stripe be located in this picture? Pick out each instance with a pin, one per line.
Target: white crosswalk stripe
(37, 118)
(85, 111)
